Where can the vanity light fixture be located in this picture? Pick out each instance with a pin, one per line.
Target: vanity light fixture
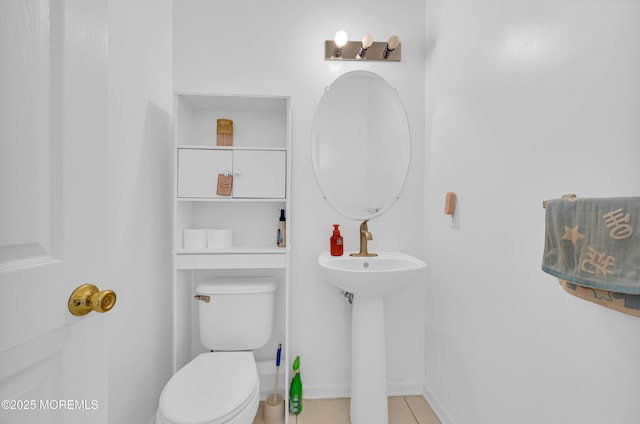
(340, 48)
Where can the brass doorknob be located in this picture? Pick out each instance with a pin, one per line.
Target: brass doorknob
(87, 298)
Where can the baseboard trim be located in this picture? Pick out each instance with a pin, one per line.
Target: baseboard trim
(332, 391)
(437, 406)
(327, 391)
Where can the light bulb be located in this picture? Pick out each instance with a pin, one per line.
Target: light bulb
(393, 42)
(341, 39)
(367, 41)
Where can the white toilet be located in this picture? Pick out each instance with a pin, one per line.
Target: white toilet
(222, 386)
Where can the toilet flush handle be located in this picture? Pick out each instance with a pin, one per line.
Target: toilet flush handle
(204, 298)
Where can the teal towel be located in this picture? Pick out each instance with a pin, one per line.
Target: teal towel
(594, 242)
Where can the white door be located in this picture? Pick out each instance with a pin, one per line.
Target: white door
(53, 133)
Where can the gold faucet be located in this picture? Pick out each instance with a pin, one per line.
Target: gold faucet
(364, 236)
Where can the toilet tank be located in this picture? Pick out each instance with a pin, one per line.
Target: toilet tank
(239, 314)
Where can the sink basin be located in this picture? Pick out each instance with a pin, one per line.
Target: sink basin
(370, 279)
(371, 276)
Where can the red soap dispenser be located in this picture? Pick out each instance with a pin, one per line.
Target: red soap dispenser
(337, 247)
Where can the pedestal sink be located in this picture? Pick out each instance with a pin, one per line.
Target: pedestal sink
(370, 279)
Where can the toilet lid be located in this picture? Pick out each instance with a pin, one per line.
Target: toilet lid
(212, 388)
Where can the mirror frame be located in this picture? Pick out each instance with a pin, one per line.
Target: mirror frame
(404, 123)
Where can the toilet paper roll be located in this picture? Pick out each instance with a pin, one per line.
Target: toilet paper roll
(219, 238)
(194, 238)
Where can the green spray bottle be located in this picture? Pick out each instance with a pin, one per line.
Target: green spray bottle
(295, 390)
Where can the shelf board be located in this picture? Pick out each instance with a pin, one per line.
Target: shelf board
(212, 147)
(232, 258)
(227, 199)
(233, 250)
(242, 102)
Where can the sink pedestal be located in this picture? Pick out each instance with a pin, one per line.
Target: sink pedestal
(370, 279)
(368, 362)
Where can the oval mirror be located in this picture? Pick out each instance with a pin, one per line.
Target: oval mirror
(360, 145)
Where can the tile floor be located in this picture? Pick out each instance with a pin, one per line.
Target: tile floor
(402, 410)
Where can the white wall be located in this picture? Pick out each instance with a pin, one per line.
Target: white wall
(258, 47)
(139, 198)
(526, 100)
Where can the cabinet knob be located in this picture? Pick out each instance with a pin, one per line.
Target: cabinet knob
(236, 172)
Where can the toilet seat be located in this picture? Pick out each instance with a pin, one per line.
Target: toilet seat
(211, 389)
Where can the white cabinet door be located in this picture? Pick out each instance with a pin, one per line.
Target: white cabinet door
(198, 171)
(259, 174)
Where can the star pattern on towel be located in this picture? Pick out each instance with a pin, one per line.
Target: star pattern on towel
(604, 295)
(572, 234)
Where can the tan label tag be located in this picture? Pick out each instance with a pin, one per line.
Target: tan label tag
(224, 185)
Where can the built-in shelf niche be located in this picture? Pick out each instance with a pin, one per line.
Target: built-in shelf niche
(258, 121)
(254, 224)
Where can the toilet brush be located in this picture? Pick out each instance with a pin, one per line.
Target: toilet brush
(273, 412)
(275, 390)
